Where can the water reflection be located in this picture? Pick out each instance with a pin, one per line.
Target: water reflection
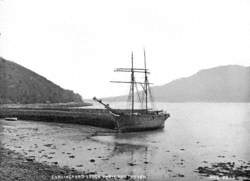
(139, 135)
(120, 148)
(137, 157)
(1, 133)
(136, 142)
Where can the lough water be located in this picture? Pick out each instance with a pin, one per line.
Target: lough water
(196, 134)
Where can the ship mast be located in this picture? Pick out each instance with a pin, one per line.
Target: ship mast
(132, 82)
(146, 81)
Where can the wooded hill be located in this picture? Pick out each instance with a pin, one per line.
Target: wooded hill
(21, 85)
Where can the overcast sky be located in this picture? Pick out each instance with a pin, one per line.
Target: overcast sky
(78, 43)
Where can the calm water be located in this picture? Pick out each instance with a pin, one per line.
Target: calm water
(194, 135)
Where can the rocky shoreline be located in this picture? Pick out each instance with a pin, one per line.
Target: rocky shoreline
(14, 166)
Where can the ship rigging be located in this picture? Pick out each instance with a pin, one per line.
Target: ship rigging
(137, 119)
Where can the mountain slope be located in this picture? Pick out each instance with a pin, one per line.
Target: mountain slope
(21, 85)
(229, 83)
(220, 84)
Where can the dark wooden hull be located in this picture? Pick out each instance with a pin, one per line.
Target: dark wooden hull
(143, 122)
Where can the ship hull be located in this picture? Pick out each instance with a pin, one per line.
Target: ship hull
(129, 123)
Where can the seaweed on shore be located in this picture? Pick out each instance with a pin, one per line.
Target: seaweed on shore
(226, 169)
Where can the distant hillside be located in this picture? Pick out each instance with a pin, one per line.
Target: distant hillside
(229, 83)
(21, 85)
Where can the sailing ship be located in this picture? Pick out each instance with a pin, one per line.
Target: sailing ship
(137, 119)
